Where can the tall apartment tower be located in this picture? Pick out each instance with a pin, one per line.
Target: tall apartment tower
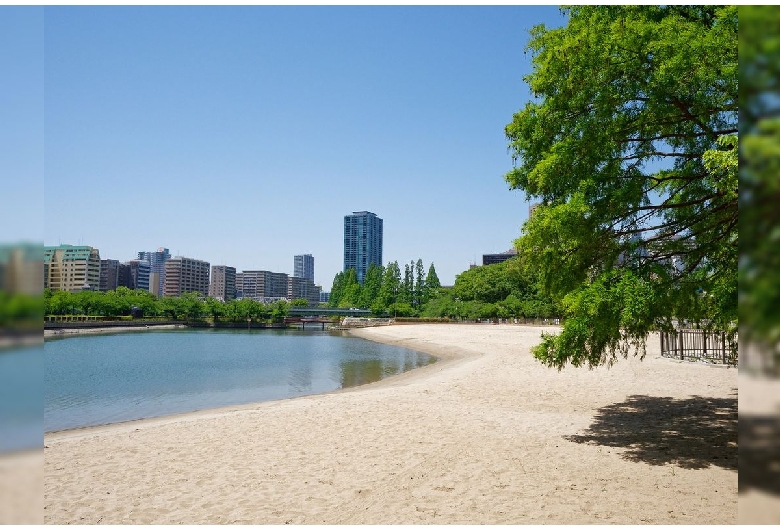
(71, 268)
(109, 275)
(185, 275)
(303, 288)
(304, 267)
(136, 275)
(156, 261)
(22, 269)
(262, 285)
(362, 242)
(223, 282)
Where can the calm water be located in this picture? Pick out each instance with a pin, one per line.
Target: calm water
(94, 380)
(21, 398)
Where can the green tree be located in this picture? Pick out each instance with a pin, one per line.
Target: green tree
(350, 290)
(432, 285)
(488, 283)
(59, 302)
(146, 302)
(628, 148)
(191, 306)
(419, 283)
(759, 166)
(337, 290)
(391, 285)
(372, 284)
(406, 294)
(214, 308)
(279, 310)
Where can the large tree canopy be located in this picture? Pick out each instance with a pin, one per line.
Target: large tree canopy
(630, 148)
(759, 166)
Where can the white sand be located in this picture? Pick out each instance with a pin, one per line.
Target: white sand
(21, 487)
(759, 403)
(483, 436)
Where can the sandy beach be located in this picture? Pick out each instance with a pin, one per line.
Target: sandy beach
(487, 435)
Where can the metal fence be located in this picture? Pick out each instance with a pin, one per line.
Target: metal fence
(715, 347)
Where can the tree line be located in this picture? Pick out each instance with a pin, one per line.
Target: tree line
(502, 290)
(384, 290)
(188, 306)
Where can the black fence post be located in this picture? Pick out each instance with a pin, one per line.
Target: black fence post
(682, 345)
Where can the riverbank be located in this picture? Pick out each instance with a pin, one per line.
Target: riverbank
(486, 435)
(53, 333)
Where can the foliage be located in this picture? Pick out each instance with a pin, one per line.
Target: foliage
(372, 283)
(759, 165)
(629, 149)
(383, 291)
(432, 285)
(188, 306)
(489, 283)
(391, 284)
(19, 310)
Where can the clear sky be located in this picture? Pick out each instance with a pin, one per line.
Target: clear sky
(243, 135)
(21, 129)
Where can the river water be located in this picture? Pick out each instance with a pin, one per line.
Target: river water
(101, 379)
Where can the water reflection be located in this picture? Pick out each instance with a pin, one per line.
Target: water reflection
(361, 372)
(355, 373)
(93, 380)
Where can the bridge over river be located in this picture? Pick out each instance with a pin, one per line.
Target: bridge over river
(327, 312)
(316, 315)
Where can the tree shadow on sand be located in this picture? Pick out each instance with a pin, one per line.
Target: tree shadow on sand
(692, 433)
(759, 454)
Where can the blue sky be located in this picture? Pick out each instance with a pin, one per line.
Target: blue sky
(243, 135)
(21, 133)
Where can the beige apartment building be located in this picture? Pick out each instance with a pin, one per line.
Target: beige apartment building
(71, 268)
(21, 269)
(185, 275)
(223, 282)
(298, 288)
(263, 286)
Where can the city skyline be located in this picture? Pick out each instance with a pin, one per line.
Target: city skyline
(242, 135)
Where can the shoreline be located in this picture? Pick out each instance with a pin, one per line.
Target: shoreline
(443, 358)
(65, 332)
(483, 436)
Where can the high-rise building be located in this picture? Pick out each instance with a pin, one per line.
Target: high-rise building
(239, 285)
(21, 268)
(156, 261)
(134, 274)
(71, 268)
(491, 259)
(303, 288)
(263, 285)
(223, 282)
(185, 275)
(304, 267)
(154, 283)
(109, 275)
(362, 242)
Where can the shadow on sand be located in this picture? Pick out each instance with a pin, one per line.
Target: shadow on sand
(759, 454)
(693, 433)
